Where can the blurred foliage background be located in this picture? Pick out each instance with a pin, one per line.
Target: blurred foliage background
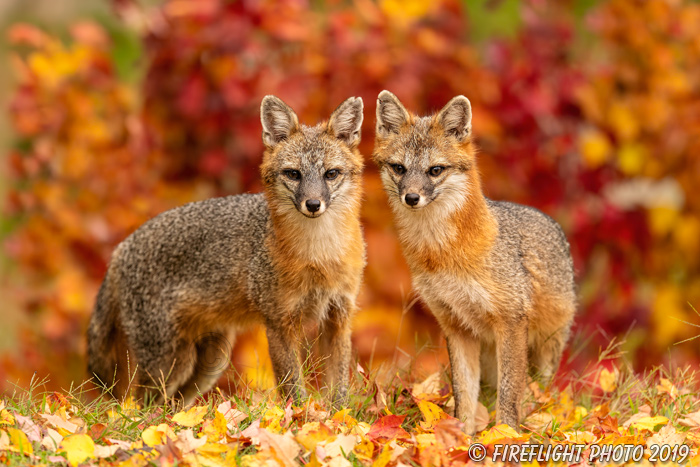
(588, 110)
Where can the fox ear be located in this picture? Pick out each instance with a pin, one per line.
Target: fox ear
(391, 114)
(278, 121)
(346, 121)
(456, 118)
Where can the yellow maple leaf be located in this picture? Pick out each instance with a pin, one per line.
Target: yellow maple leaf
(156, 435)
(668, 387)
(19, 441)
(190, 418)
(6, 418)
(432, 414)
(213, 449)
(78, 448)
(364, 449)
(498, 434)
(313, 433)
(580, 437)
(608, 379)
(649, 423)
(215, 429)
(344, 417)
(383, 458)
(271, 419)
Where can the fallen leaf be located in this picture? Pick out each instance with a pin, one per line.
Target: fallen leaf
(215, 429)
(78, 448)
(430, 385)
(155, 435)
(691, 419)
(19, 441)
(102, 452)
(431, 413)
(666, 435)
(6, 418)
(580, 437)
(667, 387)
(364, 449)
(649, 423)
(63, 426)
(449, 434)
(482, 418)
(186, 442)
(52, 440)
(343, 417)
(190, 418)
(608, 379)
(313, 433)
(388, 427)
(284, 448)
(499, 434)
(232, 415)
(30, 428)
(341, 445)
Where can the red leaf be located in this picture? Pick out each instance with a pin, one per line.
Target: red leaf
(388, 427)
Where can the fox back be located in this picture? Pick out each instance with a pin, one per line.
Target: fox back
(498, 276)
(181, 286)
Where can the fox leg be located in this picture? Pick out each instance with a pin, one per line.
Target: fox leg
(212, 357)
(159, 377)
(489, 366)
(284, 353)
(336, 347)
(511, 349)
(464, 349)
(546, 353)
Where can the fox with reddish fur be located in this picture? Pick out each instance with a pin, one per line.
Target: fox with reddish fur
(498, 276)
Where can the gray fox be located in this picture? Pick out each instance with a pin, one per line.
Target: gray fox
(498, 276)
(286, 257)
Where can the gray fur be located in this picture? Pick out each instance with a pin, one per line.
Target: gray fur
(181, 286)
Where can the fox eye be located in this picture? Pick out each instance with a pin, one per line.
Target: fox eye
(398, 168)
(332, 174)
(292, 174)
(435, 171)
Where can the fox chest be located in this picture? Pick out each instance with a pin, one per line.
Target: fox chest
(462, 302)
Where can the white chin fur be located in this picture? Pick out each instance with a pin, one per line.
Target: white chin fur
(322, 238)
(426, 225)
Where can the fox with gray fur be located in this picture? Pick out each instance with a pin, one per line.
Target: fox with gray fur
(287, 257)
(498, 276)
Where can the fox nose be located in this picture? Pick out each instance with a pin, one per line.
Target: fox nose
(412, 199)
(313, 205)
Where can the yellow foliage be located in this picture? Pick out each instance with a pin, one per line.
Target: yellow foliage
(78, 448)
(608, 379)
(155, 435)
(595, 148)
(190, 418)
(649, 423)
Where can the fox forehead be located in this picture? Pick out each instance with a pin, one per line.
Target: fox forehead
(313, 148)
(419, 143)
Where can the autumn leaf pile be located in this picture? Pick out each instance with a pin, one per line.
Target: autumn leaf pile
(390, 424)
